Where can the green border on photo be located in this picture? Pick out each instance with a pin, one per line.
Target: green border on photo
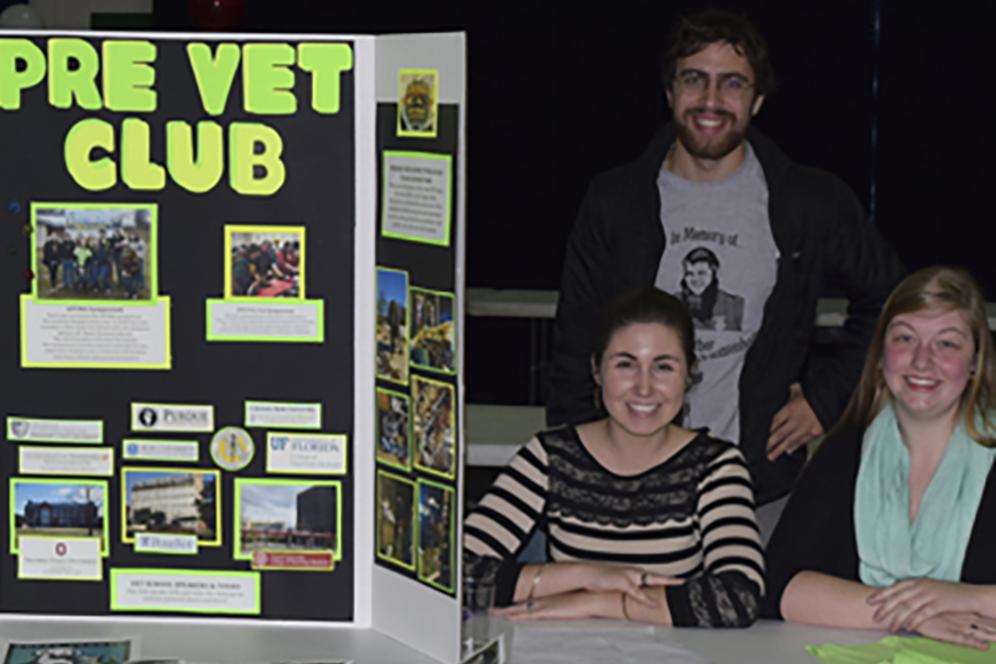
(148, 571)
(163, 301)
(53, 440)
(418, 532)
(434, 112)
(415, 451)
(56, 450)
(408, 431)
(105, 538)
(377, 519)
(135, 407)
(316, 404)
(411, 332)
(319, 336)
(137, 548)
(156, 441)
(100, 568)
(152, 256)
(408, 323)
(215, 451)
(231, 229)
(445, 242)
(309, 471)
(239, 554)
(183, 471)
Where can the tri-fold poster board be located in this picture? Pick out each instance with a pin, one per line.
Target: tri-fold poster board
(233, 267)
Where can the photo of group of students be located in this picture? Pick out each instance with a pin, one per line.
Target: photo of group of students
(93, 253)
(265, 261)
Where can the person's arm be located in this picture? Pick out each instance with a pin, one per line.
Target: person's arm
(860, 262)
(504, 519)
(728, 591)
(570, 397)
(911, 602)
(582, 604)
(816, 529)
(815, 598)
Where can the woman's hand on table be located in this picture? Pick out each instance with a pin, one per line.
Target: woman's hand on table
(576, 605)
(960, 627)
(908, 604)
(634, 581)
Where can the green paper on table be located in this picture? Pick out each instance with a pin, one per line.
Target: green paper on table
(902, 650)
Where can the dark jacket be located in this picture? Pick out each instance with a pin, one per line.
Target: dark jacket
(816, 531)
(822, 236)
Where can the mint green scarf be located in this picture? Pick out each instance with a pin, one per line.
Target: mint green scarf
(890, 548)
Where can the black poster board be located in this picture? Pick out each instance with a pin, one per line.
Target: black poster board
(430, 271)
(317, 193)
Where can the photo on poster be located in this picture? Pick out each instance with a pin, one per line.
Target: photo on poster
(418, 100)
(58, 508)
(264, 262)
(394, 422)
(395, 519)
(433, 344)
(435, 535)
(287, 515)
(68, 652)
(434, 426)
(392, 325)
(94, 251)
(178, 501)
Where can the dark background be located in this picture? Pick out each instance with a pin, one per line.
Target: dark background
(892, 97)
(559, 91)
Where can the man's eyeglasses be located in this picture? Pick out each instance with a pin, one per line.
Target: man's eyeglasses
(732, 86)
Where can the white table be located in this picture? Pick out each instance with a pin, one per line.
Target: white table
(223, 641)
(591, 642)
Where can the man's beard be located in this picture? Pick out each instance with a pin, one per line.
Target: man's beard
(716, 148)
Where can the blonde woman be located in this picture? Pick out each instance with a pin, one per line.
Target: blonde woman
(890, 526)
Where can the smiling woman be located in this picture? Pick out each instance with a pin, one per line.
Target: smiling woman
(646, 520)
(888, 526)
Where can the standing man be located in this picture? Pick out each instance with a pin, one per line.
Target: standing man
(711, 190)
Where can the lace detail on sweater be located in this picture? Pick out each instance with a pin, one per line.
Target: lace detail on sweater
(581, 488)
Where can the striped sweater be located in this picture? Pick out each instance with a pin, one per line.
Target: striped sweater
(691, 517)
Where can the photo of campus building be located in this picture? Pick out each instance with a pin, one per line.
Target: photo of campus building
(171, 502)
(55, 508)
(287, 516)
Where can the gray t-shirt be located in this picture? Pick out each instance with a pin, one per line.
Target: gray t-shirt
(721, 260)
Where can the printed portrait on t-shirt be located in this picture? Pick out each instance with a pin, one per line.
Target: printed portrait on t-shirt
(711, 307)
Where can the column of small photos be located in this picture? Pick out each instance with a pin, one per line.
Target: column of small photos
(416, 430)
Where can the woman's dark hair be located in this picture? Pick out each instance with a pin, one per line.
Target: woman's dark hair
(693, 33)
(646, 305)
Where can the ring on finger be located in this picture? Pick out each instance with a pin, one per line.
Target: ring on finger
(529, 604)
(643, 580)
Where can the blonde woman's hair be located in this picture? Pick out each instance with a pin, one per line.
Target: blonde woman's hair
(937, 288)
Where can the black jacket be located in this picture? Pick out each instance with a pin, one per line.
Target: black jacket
(816, 531)
(822, 236)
